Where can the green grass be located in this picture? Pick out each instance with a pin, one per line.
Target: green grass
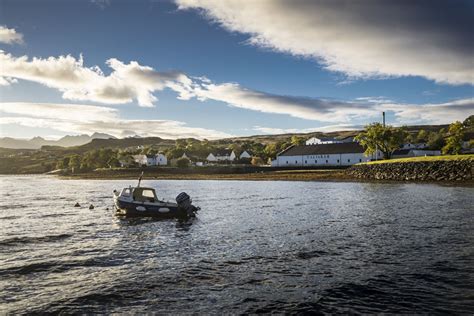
(420, 159)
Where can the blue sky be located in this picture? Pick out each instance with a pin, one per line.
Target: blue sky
(212, 69)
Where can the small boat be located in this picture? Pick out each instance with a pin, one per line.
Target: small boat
(142, 201)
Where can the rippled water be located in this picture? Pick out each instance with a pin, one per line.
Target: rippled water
(255, 247)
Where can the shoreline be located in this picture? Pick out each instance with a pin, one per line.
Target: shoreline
(327, 177)
(297, 175)
(294, 175)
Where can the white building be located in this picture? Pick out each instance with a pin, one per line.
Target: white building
(151, 160)
(405, 153)
(328, 140)
(332, 154)
(221, 155)
(245, 154)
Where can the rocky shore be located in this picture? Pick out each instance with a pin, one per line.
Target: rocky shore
(449, 170)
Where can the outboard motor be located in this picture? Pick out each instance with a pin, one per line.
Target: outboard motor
(184, 202)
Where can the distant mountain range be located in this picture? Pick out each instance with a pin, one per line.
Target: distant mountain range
(37, 142)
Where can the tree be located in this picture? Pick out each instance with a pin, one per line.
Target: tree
(113, 162)
(386, 139)
(436, 140)
(60, 164)
(422, 136)
(181, 143)
(410, 138)
(236, 148)
(174, 153)
(150, 151)
(257, 161)
(74, 162)
(271, 150)
(183, 162)
(469, 122)
(283, 145)
(454, 140)
(296, 140)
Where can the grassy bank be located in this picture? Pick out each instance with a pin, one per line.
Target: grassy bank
(422, 159)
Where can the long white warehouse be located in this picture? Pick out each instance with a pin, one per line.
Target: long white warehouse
(338, 154)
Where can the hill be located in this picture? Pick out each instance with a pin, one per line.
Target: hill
(38, 142)
(414, 129)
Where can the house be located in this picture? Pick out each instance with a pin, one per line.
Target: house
(140, 159)
(467, 148)
(329, 140)
(221, 155)
(331, 154)
(414, 146)
(160, 160)
(151, 160)
(245, 154)
(405, 153)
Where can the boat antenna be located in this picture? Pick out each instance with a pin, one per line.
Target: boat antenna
(140, 180)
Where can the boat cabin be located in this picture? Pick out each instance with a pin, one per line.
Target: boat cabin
(140, 194)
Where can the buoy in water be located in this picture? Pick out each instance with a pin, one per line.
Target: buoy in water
(77, 204)
(91, 207)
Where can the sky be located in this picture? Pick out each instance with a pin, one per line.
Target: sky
(213, 69)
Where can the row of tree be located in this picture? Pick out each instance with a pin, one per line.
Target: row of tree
(100, 158)
(387, 139)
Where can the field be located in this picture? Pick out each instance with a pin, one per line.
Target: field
(422, 159)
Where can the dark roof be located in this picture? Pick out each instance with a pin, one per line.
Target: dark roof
(338, 148)
(468, 136)
(401, 152)
(222, 152)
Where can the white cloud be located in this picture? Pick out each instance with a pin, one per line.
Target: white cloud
(65, 112)
(126, 82)
(276, 130)
(10, 36)
(325, 129)
(441, 113)
(102, 4)
(358, 38)
(300, 107)
(87, 119)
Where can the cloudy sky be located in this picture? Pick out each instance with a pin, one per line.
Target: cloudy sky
(218, 68)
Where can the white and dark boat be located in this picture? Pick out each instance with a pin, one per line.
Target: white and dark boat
(142, 201)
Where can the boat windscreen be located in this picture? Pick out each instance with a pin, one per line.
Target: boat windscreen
(144, 195)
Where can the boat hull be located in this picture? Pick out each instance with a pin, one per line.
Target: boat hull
(163, 210)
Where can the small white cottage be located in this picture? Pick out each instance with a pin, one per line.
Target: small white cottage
(151, 160)
(221, 155)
